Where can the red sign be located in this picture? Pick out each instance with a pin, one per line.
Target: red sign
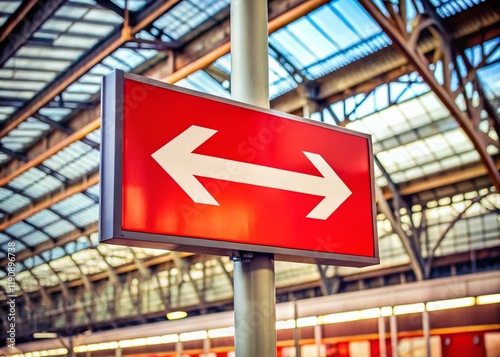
(187, 171)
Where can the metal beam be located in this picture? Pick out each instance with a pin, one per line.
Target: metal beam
(336, 86)
(68, 140)
(186, 64)
(407, 44)
(411, 243)
(396, 227)
(25, 22)
(442, 236)
(15, 18)
(60, 195)
(87, 61)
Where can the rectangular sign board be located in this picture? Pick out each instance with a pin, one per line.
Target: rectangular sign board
(186, 171)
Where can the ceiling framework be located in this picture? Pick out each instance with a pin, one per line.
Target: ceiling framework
(55, 230)
(449, 73)
(388, 67)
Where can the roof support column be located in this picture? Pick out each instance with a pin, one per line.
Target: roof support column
(254, 277)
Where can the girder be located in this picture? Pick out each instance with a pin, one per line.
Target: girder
(396, 25)
(87, 61)
(442, 236)
(393, 215)
(25, 22)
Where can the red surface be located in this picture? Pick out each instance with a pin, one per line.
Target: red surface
(154, 203)
(463, 344)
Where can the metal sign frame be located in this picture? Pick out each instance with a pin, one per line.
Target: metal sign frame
(110, 215)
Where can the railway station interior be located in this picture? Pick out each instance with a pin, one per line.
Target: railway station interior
(422, 77)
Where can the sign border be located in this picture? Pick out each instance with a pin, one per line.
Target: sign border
(110, 206)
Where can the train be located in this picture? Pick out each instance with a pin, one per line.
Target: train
(453, 316)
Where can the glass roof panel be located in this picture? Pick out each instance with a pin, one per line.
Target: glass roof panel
(90, 261)
(27, 281)
(131, 5)
(186, 16)
(27, 75)
(43, 218)
(447, 8)
(449, 150)
(68, 156)
(24, 134)
(72, 204)
(315, 51)
(56, 25)
(115, 255)
(53, 254)
(35, 183)
(75, 41)
(12, 202)
(71, 12)
(43, 186)
(128, 56)
(352, 13)
(280, 81)
(14, 94)
(65, 268)
(95, 136)
(86, 216)
(202, 82)
(85, 164)
(4, 238)
(32, 85)
(45, 275)
(7, 8)
(18, 247)
(91, 29)
(110, 16)
(94, 190)
(490, 78)
(56, 114)
(19, 229)
(35, 238)
(50, 65)
(58, 228)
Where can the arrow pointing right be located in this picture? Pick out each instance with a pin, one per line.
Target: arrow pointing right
(178, 160)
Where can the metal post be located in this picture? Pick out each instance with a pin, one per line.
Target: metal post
(254, 285)
(249, 52)
(296, 331)
(178, 348)
(206, 347)
(394, 335)
(318, 339)
(254, 307)
(427, 335)
(381, 336)
(118, 352)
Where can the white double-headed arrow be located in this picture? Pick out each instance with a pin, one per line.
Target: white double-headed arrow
(178, 160)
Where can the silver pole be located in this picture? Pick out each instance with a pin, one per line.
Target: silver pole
(381, 336)
(178, 348)
(249, 51)
(206, 346)
(296, 331)
(318, 339)
(427, 334)
(254, 307)
(254, 285)
(394, 335)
